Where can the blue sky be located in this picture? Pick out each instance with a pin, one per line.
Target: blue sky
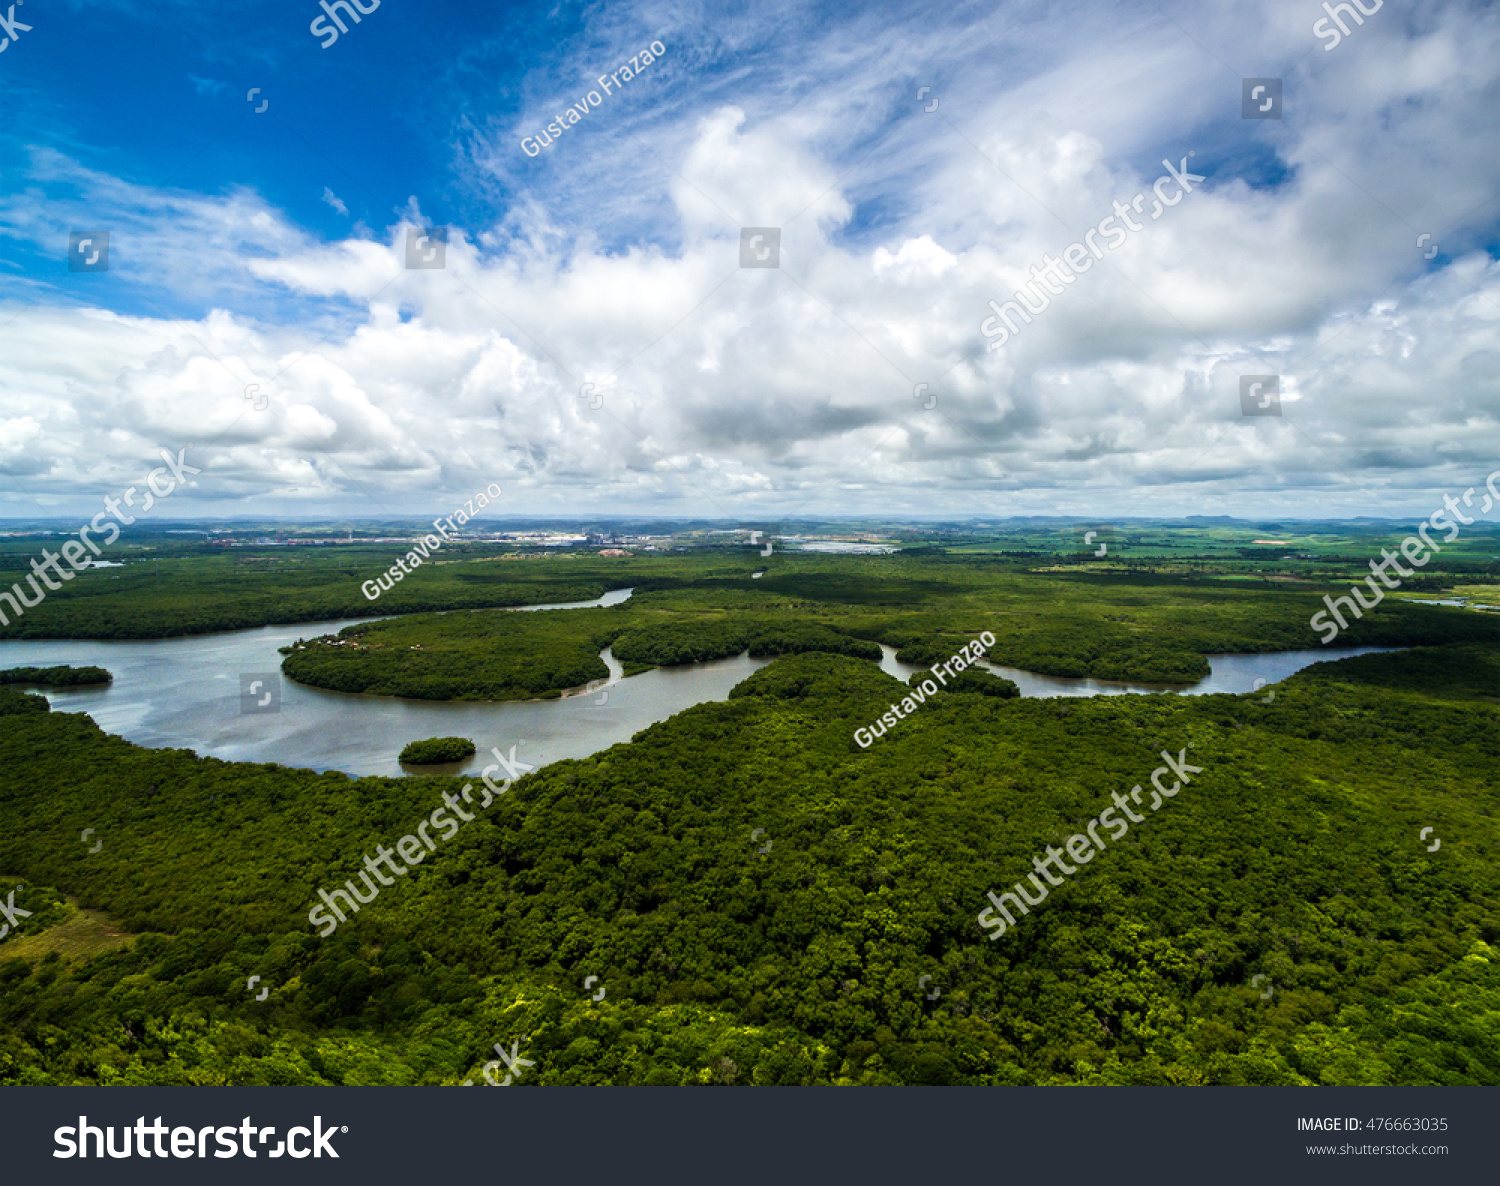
(158, 100)
(266, 250)
(157, 96)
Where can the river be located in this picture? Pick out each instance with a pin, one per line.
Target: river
(186, 693)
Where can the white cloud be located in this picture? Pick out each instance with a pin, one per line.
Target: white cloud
(729, 391)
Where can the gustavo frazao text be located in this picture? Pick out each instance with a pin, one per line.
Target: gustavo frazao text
(424, 547)
(908, 705)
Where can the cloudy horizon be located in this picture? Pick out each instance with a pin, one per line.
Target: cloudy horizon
(592, 341)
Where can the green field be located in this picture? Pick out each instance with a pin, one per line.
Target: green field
(170, 587)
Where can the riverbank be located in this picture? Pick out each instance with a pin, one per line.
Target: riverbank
(185, 693)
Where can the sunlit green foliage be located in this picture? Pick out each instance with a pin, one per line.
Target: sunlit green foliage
(761, 897)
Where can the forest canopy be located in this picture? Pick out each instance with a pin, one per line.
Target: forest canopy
(762, 897)
(1114, 626)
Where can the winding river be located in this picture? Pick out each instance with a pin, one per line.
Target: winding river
(186, 693)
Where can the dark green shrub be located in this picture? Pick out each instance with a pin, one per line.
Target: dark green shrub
(437, 749)
(56, 677)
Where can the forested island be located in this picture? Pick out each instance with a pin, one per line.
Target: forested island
(56, 677)
(432, 751)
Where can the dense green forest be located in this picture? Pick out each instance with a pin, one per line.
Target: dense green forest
(184, 591)
(56, 677)
(494, 655)
(497, 655)
(766, 902)
(168, 589)
(13, 702)
(1107, 625)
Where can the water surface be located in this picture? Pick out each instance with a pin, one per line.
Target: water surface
(1236, 674)
(186, 693)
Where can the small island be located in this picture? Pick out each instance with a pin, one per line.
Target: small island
(56, 677)
(433, 750)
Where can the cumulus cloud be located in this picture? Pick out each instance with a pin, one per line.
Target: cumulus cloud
(798, 389)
